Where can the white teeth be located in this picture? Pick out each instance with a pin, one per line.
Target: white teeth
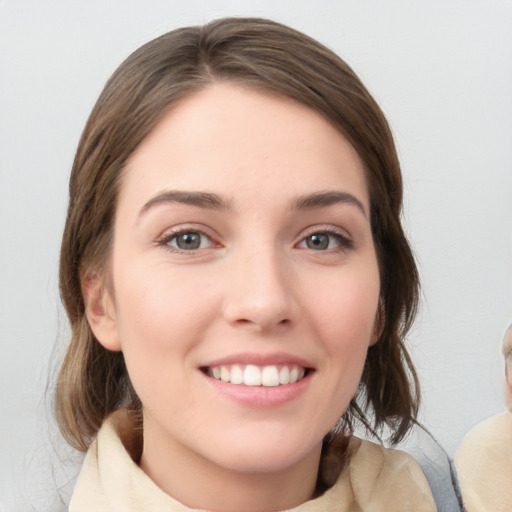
(237, 375)
(224, 374)
(252, 375)
(270, 376)
(284, 375)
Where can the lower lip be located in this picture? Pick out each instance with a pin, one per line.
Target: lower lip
(261, 396)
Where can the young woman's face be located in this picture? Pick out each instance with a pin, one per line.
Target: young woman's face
(244, 280)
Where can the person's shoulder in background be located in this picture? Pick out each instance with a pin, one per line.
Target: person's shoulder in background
(484, 465)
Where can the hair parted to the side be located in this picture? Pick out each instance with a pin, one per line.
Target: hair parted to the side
(93, 382)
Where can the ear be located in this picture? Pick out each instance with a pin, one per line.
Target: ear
(99, 310)
(378, 325)
(374, 337)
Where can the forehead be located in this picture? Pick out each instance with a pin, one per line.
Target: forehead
(232, 140)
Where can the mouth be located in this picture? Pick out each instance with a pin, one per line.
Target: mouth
(254, 375)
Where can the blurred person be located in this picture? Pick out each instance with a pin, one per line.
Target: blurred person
(484, 459)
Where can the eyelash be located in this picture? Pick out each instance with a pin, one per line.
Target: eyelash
(343, 242)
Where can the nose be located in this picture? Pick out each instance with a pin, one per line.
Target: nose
(259, 294)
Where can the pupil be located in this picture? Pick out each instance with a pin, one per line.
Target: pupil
(189, 241)
(318, 241)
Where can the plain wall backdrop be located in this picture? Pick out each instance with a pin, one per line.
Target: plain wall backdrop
(441, 71)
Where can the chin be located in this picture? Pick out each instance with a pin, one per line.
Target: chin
(264, 454)
(262, 462)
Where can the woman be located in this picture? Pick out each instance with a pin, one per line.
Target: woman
(238, 283)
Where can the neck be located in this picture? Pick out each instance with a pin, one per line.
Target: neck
(202, 484)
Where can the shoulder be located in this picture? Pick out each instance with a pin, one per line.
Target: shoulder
(492, 429)
(486, 443)
(484, 465)
(379, 462)
(389, 477)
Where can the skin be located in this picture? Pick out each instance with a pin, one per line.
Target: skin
(508, 382)
(507, 351)
(255, 288)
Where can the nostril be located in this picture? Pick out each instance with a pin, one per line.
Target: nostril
(262, 324)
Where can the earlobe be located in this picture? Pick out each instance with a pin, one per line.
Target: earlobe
(99, 310)
(374, 337)
(377, 326)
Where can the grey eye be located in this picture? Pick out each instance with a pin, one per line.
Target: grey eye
(325, 240)
(318, 241)
(189, 241)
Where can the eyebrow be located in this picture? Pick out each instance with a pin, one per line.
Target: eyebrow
(200, 199)
(321, 199)
(212, 201)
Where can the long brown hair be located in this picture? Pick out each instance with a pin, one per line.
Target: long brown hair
(276, 59)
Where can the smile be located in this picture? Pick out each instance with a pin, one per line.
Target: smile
(253, 375)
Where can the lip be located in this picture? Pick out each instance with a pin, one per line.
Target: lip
(246, 358)
(260, 396)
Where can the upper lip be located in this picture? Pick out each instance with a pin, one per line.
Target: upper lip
(246, 358)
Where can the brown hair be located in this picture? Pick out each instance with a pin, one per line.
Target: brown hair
(269, 56)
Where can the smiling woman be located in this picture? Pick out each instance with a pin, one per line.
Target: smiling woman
(238, 283)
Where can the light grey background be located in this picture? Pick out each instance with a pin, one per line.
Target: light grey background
(441, 70)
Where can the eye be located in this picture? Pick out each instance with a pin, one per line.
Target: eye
(187, 241)
(325, 240)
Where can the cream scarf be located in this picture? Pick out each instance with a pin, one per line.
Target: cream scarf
(375, 480)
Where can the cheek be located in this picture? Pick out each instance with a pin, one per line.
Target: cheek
(347, 312)
(158, 316)
(344, 319)
(159, 328)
